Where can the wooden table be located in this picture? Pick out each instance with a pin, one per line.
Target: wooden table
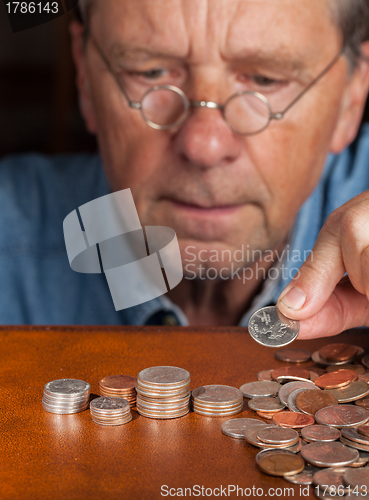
(47, 456)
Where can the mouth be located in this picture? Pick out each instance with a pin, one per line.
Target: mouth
(217, 209)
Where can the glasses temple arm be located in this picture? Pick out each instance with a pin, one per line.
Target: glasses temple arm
(278, 116)
(133, 104)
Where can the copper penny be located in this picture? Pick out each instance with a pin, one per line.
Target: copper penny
(290, 371)
(342, 416)
(310, 401)
(279, 462)
(292, 419)
(334, 380)
(264, 375)
(313, 376)
(363, 378)
(329, 454)
(357, 478)
(364, 430)
(365, 361)
(359, 369)
(292, 355)
(363, 402)
(331, 478)
(265, 414)
(320, 433)
(338, 352)
(353, 434)
(118, 383)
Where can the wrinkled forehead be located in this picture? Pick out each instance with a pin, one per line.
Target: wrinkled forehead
(198, 27)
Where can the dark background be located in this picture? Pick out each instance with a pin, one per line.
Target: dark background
(38, 98)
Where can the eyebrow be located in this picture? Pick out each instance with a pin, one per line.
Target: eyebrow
(277, 60)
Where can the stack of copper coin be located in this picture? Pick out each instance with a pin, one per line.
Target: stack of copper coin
(66, 396)
(163, 392)
(217, 400)
(110, 411)
(119, 386)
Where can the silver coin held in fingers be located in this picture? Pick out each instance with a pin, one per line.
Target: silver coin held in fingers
(270, 327)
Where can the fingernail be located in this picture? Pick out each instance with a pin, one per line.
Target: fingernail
(294, 298)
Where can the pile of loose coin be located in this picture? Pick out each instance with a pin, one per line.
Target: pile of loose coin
(217, 400)
(163, 392)
(119, 386)
(294, 400)
(66, 396)
(110, 411)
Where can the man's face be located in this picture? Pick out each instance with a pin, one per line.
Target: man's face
(216, 189)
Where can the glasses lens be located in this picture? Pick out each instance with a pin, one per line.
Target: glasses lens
(163, 108)
(247, 113)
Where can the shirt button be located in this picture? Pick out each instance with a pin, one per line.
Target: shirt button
(170, 320)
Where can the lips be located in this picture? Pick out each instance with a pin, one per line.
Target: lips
(213, 208)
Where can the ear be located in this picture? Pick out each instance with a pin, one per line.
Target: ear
(83, 82)
(352, 104)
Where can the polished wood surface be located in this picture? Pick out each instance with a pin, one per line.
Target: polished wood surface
(47, 456)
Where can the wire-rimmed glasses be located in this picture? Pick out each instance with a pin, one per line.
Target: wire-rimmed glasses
(164, 107)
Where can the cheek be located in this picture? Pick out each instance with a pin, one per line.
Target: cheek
(294, 158)
(129, 148)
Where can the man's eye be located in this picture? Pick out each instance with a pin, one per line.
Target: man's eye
(152, 74)
(264, 81)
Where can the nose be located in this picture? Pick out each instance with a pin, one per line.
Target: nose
(205, 139)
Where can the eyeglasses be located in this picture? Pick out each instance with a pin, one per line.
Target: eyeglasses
(164, 107)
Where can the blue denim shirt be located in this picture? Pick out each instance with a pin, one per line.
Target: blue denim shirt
(37, 285)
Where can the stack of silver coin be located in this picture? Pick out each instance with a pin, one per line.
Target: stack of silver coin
(66, 396)
(163, 392)
(217, 400)
(110, 411)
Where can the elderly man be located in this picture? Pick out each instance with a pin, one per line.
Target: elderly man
(240, 143)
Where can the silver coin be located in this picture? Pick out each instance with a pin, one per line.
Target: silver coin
(329, 454)
(163, 375)
(267, 404)
(104, 403)
(260, 388)
(353, 444)
(350, 392)
(278, 435)
(286, 389)
(342, 416)
(236, 427)
(318, 433)
(353, 434)
(305, 477)
(251, 434)
(67, 387)
(269, 327)
(217, 394)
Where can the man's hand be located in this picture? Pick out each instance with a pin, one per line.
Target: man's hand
(321, 297)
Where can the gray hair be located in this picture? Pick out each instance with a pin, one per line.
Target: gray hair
(350, 16)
